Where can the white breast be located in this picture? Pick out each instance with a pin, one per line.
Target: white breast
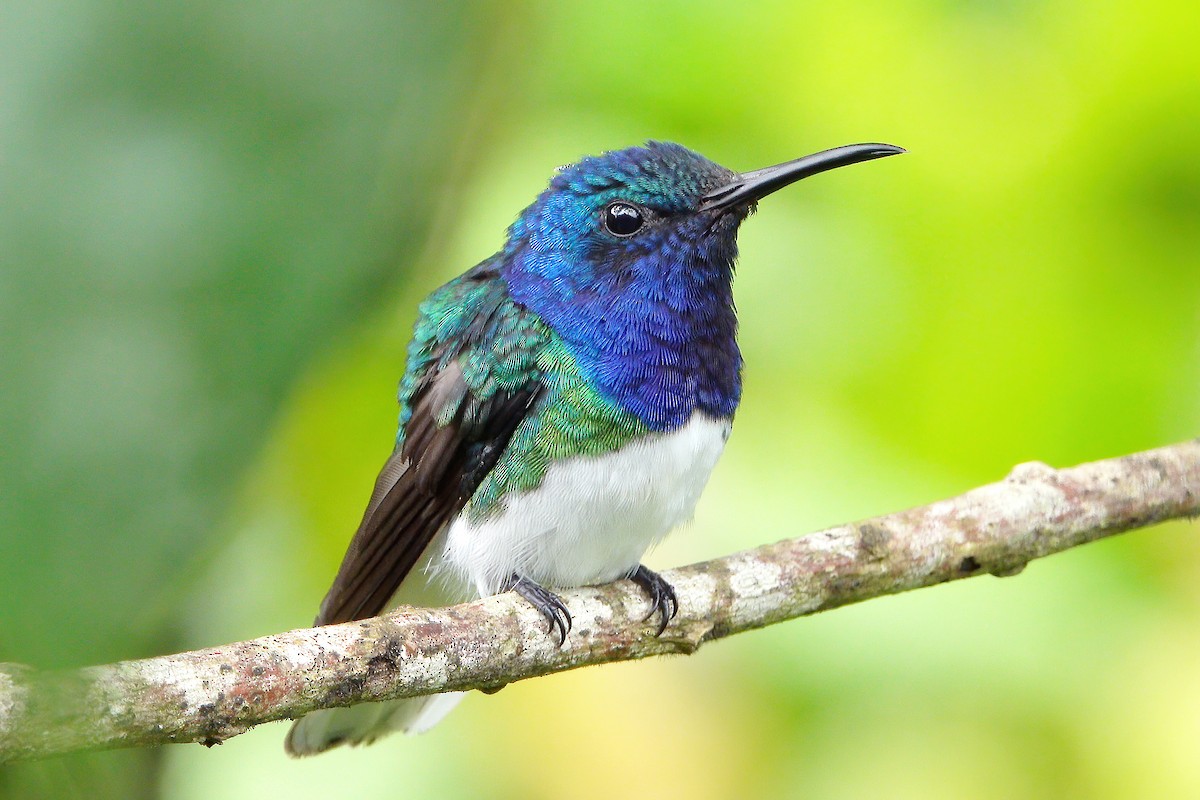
(593, 517)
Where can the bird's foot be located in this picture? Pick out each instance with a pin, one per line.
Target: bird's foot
(662, 596)
(547, 602)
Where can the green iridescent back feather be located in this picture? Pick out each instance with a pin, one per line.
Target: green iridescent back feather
(501, 347)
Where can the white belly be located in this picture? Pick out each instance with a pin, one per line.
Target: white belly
(593, 517)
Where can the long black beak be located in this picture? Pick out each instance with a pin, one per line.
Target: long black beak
(757, 184)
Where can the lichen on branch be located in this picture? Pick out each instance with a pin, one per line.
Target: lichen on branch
(209, 695)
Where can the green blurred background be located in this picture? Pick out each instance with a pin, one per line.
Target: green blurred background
(216, 220)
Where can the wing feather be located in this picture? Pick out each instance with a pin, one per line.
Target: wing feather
(454, 436)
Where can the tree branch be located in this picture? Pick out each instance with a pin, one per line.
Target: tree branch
(210, 695)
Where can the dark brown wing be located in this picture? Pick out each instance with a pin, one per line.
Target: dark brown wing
(421, 488)
(472, 377)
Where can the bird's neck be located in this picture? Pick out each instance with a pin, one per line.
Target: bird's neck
(657, 335)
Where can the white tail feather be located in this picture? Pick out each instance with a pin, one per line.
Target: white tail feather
(366, 722)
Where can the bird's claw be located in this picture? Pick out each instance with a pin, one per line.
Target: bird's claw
(662, 596)
(547, 602)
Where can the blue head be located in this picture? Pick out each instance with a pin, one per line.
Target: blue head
(629, 257)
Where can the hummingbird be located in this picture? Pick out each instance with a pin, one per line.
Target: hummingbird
(563, 404)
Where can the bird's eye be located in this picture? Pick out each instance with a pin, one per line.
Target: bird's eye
(623, 219)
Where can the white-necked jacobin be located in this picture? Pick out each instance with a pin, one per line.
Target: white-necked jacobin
(563, 405)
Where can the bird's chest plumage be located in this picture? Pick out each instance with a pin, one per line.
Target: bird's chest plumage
(592, 517)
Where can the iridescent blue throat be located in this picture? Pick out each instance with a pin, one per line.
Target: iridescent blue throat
(652, 327)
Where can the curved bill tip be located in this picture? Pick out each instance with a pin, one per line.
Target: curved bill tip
(757, 184)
